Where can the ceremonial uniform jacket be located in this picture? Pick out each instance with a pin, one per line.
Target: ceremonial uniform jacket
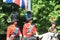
(25, 29)
(10, 31)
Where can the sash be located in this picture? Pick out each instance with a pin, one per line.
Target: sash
(14, 33)
(16, 30)
(30, 29)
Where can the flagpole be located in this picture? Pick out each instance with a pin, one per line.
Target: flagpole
(29, 5)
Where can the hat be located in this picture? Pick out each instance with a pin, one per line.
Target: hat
(29, 15)
(14, 16)
(14, 20)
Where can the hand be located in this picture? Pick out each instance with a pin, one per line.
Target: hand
(12, 36)
(24, 36)
(36, 33)
(20, 35)
(7, 38)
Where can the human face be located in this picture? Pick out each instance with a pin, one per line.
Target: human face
(15, 23)
(30, 21)
(53, 25)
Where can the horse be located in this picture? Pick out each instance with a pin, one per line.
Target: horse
(49, 36)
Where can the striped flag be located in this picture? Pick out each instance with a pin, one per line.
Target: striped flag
(8, 1)
(21, 3)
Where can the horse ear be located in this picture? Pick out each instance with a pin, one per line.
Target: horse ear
(58, 36)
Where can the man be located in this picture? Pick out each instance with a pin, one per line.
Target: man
(51, 32)
(29, 29)
(53, 28)
(13, 31)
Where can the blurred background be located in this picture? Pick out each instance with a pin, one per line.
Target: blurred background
(42, 10)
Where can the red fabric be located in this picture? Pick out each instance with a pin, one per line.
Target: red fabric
(26, 27)
(11, 29)
(17, 2)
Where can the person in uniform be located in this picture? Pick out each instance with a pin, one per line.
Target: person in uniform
(13, 31)
(29, 29)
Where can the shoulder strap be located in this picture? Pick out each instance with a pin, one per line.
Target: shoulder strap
(31, 27)
(16, 30)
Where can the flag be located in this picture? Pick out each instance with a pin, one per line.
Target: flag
(21, 3)
(8, 1)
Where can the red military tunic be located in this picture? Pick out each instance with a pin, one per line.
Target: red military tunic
(11, 29)
(25, 29)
